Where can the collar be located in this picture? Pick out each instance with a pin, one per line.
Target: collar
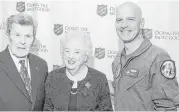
(143, 47)
(78, 77)
(14, 57)
(65, 78)
(16, 60)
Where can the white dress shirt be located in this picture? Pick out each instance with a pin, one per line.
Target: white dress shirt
(18, 65)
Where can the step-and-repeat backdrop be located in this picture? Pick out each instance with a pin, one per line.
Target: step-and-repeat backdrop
(55, 18)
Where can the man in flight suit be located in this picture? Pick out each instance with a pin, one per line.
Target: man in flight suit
(144, 74)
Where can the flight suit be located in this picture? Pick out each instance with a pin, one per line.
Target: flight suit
(145, 80)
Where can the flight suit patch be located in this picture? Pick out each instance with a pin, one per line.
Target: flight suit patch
(132, 72)
(168, 69)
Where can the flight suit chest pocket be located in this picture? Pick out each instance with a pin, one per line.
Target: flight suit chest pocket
(137, 78)
(139, 74)
(143, 84)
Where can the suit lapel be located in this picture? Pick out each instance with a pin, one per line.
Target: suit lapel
(11, 71)
(34, 70)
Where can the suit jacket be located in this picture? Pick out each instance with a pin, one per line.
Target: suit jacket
(93, 92)
(13, 94)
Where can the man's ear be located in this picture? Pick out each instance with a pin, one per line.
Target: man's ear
(142, 22)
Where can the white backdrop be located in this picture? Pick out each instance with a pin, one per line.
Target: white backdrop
(98, 19)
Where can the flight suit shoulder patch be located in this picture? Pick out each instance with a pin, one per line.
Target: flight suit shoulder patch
(168, 69)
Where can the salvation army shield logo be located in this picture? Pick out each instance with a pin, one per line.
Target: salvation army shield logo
(102, 10)
(99, 53)
(58, 29)
(20, 6)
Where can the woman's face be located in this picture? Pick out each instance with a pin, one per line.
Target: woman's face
(74, 54)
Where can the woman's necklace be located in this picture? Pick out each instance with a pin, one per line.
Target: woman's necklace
(74, 89)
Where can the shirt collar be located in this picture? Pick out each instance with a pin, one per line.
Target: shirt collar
(15, 59)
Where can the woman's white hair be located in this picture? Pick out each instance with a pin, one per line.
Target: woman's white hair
(83, 36)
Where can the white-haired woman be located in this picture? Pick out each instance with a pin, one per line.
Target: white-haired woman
(77, 87)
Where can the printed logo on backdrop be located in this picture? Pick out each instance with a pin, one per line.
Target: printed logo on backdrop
(147, 33)
(31, 6)
(20, 6)
(39, 48)
(112, 10)
(58, 29)
(103, 10)
(111, 54)
(99, 53)
(166, 35)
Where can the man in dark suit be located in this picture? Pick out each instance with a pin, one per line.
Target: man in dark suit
(22, 74)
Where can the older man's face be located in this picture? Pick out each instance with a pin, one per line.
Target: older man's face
(20, 39)
(74, 54)
(127, 23)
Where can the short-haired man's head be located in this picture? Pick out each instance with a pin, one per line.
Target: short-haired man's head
(83, 38)
(21, 19)
(129, 21)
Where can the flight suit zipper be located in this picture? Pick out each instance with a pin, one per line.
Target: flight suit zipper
(122, 70)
